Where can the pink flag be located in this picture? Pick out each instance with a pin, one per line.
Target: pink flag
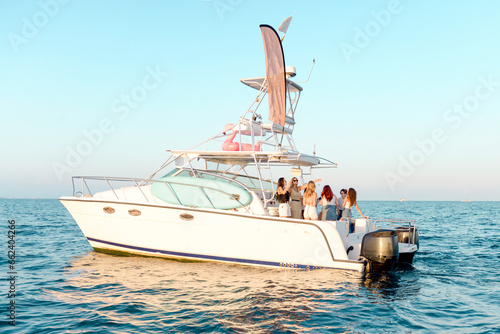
(275, 75)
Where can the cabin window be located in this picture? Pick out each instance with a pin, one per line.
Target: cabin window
(108, 209)
(134, 212)
(186, 216)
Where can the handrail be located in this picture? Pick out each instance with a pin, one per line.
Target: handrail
(173, 193)
(391, 221)
(206, 195)
(166, 183)
(86, 187)
(139, 187)
(405, 223)
(111, 186)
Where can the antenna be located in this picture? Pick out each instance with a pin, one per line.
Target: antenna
(314, 62)
(314, 150)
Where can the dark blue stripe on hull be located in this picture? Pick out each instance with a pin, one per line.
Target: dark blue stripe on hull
(209, 257)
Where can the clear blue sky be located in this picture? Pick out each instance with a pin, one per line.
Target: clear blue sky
(405, 95)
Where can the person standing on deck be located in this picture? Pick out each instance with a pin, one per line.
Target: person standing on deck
(343, 194)
(296, 198)
(310, 200)
(349, 202)
(329, 204)
(283, 196)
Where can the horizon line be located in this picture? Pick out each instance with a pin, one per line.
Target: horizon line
(365, 200)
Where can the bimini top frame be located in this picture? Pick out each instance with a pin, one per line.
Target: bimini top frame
(259, 161)
(251, 141)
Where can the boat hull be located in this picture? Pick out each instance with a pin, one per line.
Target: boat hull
(406, 257)
(406, 252)
(187, 233)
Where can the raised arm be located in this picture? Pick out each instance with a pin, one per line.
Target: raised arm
(357, 207)
(304, 186)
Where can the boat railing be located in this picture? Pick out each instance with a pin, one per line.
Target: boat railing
(407, 225)
(379, 223)
(140, 183)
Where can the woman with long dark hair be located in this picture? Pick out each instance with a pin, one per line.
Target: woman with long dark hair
(283, 196)
(349, 202)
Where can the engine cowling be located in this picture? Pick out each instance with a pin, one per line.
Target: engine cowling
(380, 249)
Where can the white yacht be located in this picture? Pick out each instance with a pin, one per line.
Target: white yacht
(218, 203)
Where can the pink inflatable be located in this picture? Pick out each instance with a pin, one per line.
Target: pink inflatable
(229, 145)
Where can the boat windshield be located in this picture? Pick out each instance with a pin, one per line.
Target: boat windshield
(251, 182)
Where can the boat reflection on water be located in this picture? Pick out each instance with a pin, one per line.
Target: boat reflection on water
(180, 296)
(389, 285)
(135, 288)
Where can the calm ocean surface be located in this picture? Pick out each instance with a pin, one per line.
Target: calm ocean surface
(63, 286)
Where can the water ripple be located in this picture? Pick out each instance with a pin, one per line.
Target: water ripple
(452, 286)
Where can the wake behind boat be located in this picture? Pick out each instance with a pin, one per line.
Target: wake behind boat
(218, 204)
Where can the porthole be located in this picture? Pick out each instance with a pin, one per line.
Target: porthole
(134, 212)
(108, 209)
(186, 216)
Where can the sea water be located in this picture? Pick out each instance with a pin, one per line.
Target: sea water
(62, 286)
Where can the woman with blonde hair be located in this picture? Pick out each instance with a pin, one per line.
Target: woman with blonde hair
(329, 203)
(296, 197)
(310, 201)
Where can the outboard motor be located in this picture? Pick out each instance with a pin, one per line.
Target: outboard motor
(408, 234)
(381, 249)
